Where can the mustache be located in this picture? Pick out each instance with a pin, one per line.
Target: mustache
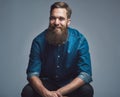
(53, 27)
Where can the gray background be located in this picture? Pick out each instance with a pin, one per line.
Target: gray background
(22, 20)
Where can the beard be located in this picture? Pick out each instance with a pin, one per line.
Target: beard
(56, 35)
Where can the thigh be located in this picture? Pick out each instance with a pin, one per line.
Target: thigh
(84, 91)
(28, 91)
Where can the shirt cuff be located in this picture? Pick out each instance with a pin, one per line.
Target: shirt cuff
(85, 77)
(32, 74)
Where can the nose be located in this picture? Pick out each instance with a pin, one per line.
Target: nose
(57, 21)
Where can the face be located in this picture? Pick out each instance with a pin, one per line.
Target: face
(58, 23)
(58, 18)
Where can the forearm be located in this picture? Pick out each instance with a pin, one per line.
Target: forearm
(37, 85)
(76, 83)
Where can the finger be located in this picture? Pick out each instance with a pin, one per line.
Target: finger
(59, 94)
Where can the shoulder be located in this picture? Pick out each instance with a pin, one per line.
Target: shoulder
(40, 37)
(74, 33)
(77, 38)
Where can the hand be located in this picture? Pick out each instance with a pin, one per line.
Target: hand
(52, 94)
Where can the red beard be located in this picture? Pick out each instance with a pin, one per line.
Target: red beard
(56, 35)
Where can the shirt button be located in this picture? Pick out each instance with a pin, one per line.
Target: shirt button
(58, 66)
(56, 76)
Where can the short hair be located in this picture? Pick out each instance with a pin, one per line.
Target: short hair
(62, 5)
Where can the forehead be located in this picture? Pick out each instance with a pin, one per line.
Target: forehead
(59, 12)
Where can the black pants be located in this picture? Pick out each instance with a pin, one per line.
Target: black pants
(84, 91)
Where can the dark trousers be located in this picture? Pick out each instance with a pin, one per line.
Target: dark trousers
(84, 91)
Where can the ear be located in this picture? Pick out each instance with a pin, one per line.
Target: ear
(68, 22)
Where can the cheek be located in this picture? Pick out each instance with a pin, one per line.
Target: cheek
(64, 24)
(51, 22)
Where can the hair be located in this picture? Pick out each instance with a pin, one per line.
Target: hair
(62, 5)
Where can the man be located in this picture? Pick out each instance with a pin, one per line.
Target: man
(59, 63)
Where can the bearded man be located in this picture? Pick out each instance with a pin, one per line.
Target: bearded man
(59, 63)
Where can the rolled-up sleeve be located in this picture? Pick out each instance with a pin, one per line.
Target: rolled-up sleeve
(34, 65)
(85, 77)
(84, 61)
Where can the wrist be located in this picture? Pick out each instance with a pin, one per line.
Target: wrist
(44, 92)
(60, 92)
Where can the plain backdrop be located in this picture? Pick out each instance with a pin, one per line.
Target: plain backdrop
(22, 20)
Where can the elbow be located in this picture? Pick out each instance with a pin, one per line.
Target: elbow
(31, 76)
(85, 77)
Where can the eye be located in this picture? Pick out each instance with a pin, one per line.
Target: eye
(52, 18)
(61, 18)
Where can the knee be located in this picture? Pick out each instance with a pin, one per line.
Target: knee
(27, 91)
(86, 91)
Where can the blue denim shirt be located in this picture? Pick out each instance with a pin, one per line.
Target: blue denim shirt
(61, 63)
